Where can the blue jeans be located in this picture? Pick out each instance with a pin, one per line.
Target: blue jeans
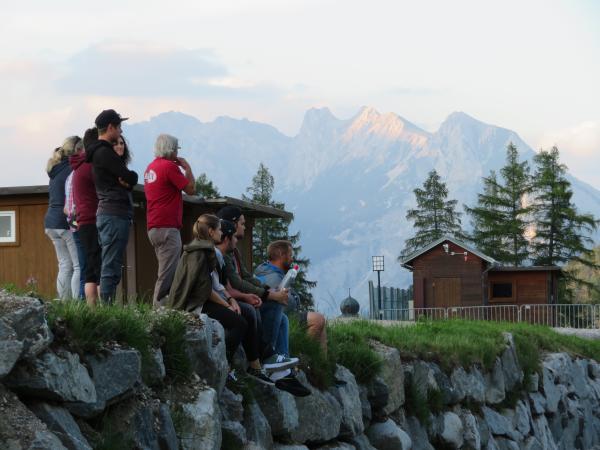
(82, 264)
(275, 327)
(113, 233)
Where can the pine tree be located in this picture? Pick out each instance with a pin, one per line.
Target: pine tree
(561, 234)
(205, 187)
(500, 219)
(434, 216)
(271, 229)
(486, 218)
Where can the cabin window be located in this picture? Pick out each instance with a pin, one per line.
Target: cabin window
(502, 290)
(8, 233)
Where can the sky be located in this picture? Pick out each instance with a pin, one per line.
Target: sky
(530, 66)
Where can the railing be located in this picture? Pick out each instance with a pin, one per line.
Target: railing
(582, 316)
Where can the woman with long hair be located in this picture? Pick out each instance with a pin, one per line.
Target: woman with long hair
(55, 221)
(192, 290)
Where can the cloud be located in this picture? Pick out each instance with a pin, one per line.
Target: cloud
(132, 69)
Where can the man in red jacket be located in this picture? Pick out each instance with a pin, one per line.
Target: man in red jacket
(163, 183)
(86, 203)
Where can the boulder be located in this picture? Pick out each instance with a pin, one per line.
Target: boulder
(234, 435)
(468, 385)
(378, 395)
(495, 387)
(506, 444)
(10, 348)
(200, 422)
(231, 406)
(498, 424)
(363, 393)
(167, 436)
(257, 427)
(348, 397)
(205, 347)
(471, 433)
(278, 446)
(452, 430)
(27, 318)
(551, 389)
(361, 442)
(392, 376)
(534, 382)
(537, 402)
(53, 376)
(110, 388)
(418, 434)
(335, 445)
(279, 407)
(513, 373)
(388, 436)
(532, 443)
(20, 429)
(319, 415)
(61, 423)
(154, 370)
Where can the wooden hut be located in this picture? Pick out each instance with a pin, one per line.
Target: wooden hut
(450, 273)
(26, 253)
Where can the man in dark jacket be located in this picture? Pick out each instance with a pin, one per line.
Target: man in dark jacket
(113, 185)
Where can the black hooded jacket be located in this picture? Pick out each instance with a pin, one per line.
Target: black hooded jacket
(113, 198)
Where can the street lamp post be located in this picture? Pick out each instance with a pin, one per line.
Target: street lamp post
(378, 266)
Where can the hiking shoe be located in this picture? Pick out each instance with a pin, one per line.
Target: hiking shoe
(279, 362)
(291, 384)
(260, 376)
(231, 376)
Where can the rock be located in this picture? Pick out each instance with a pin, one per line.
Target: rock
(534, 382)
(348, 397)
(61, 423)
(498, 424)
(471, 434)
(200, 427)
(452, 431)
(392, 376)
(423, 378)
(27, 318)
(513, 374)
(506, 444)
(484, 432)
(234, 435)
(495, 387)
(580, 385)
(469, 385)
(154, 370)
(143, 434)
(20, 428)
(366, 405)
(53, 376)
(542, 432)
(594, 370)
(278, 446)
(167, 436)
(361, 442)
(446, 389)
(551, 390)
(378, 394)
(532, 443)
(205, 347)
(522, 418)
(319, 415)
(335, 445)
(537, 402)
(110, 388)
(10, 349)
(418, 434)
(388, 436)
(231, 406)
(257, 427)
(279, 407)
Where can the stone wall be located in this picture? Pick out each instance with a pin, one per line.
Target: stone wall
(53, 398)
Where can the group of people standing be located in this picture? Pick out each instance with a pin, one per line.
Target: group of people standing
(88, 219)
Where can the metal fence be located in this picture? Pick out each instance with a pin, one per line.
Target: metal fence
(583, 316)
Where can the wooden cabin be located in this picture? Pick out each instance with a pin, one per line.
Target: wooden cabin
(450, 273)
(26, 253)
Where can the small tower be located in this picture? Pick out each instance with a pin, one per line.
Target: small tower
(349, 306)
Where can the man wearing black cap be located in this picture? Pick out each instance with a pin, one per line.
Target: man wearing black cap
(115, 210)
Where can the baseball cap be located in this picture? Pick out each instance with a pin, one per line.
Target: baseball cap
(231, 213)
(227, 228)
(108, 117)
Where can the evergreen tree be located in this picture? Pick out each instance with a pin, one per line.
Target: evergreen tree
(271, 229)
(205, 187)
(434, 216)
(561, 234)
(500, 218)
(485, 220)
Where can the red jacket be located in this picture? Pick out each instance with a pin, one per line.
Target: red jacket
(84, 190)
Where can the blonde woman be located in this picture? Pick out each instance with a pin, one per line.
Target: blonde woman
(55, 221)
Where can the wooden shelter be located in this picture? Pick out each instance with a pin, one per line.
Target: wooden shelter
(450, 273)
(26, 253)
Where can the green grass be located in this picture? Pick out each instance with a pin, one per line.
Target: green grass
(87, 329)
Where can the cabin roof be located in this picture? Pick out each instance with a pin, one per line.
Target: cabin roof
(406, 261)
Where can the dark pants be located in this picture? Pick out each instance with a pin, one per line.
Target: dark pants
(82, 263)
(239, 328)
(113, 232)
(88, 235)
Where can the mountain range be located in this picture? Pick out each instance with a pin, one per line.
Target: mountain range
(349, 182)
